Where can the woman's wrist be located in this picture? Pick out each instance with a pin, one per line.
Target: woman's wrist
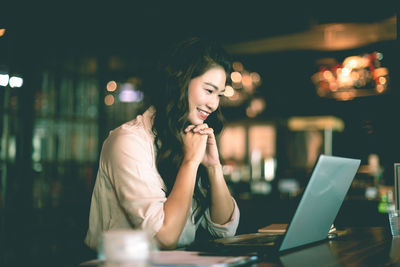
(213, 169)
(214, 166)
(190, 163)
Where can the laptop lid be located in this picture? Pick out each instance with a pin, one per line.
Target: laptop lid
(321, 201)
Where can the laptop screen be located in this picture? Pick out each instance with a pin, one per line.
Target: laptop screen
(321, 201)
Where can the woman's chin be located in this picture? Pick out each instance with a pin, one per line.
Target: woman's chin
(196, 121)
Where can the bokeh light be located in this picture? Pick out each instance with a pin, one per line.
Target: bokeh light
(111, 86)
(236, 77)
(229, 91)
(109, 100)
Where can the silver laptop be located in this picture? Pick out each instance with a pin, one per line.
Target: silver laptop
(315, 214)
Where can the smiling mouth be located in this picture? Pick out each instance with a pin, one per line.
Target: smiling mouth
(203, 114)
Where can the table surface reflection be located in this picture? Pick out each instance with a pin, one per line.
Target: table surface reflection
(373, 246)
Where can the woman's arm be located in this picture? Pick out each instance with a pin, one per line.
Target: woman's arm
(222, 205)
(179, 201)
(177, 206)
(221, 200)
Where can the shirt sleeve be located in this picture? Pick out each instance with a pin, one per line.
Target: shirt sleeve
(127, 159)
(222, 230)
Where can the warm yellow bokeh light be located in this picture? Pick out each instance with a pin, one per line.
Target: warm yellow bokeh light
(381, 72)
(229, 91)
(382, 80)
(236, 77)
(246, 80)
(255, 77)
(328, 75)
(352, 63)
(258, 104)
(357, 76)
(109, 100)
(356, 62)
(345, 72)
(380, 88)
(333, 87)
(111, 86)
(250, 113)
(2, 32)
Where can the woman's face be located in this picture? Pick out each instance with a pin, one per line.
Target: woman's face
(204, 94)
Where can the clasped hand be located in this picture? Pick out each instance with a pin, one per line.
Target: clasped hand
(200, 145)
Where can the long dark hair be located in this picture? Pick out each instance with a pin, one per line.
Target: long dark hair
(169, 96)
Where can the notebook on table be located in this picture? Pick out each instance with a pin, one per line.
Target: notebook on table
(312, 221)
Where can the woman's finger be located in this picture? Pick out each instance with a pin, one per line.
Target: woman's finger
(200, 127)
(208, 131)
(189, 128)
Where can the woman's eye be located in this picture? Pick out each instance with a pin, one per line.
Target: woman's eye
(209, 91)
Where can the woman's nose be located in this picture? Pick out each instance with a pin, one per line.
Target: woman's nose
(214, 102)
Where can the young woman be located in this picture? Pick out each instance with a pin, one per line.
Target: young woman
(161, 172)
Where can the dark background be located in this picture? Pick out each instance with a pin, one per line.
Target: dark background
(43, 35)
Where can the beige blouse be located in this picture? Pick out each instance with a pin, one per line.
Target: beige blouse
(128, 191)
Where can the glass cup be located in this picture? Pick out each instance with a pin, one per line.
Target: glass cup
(125, 247)
(394, 220)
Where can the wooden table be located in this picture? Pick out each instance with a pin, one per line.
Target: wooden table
(370, 246)
(362, 246)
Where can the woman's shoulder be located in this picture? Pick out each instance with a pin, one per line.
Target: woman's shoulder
(140, 125)
(127, 134)
(135, 127)
(129, 138)
(128, 146)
